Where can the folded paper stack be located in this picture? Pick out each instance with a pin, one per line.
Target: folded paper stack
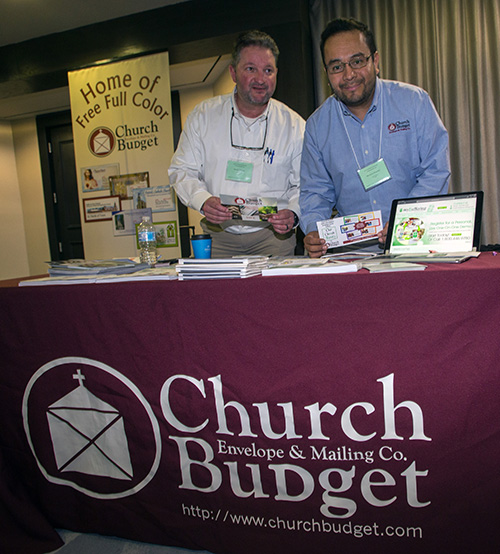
(237, 267)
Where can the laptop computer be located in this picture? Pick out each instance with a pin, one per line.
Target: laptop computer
(434, 229)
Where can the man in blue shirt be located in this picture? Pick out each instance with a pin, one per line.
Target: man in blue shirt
(370, 142)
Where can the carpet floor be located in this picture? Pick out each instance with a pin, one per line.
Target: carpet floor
(78, 543)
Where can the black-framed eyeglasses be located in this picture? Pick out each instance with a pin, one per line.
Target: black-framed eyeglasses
(246, 147)
(358, 62)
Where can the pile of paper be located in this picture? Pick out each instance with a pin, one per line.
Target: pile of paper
(310, 266)
(238, 267)
(394, 266)
(93, 267)
(160, 273)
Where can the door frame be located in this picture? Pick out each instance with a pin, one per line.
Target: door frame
(44, 123)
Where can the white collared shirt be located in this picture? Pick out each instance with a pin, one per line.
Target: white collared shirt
(198, 168)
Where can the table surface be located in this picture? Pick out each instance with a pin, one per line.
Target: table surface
(486, 260)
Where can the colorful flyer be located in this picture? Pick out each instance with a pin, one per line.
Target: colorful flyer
(250, 209)
(352, 228)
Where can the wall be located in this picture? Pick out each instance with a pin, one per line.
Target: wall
(13, 251)
(31, 193)
(24, 244)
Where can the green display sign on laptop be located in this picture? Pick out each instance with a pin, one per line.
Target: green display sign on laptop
(444, 228)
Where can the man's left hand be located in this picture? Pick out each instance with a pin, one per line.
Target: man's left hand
(283, 221)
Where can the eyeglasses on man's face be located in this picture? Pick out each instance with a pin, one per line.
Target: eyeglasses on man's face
(358, 62)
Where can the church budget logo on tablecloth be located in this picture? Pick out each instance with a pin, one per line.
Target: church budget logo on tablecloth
(90, 428)
(78, 422)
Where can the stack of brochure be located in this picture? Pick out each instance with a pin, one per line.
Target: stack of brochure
(93, 267)
(238, 267)
(72, 272)
(310, 266)
(386, 267)
(161, 273)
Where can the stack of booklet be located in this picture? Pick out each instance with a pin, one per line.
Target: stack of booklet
(93, 267)
(72, 272)
(238, 267)
(310, 266)
(162, 273)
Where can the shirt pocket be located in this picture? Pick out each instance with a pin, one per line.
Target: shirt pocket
(275, 174)
(402, 148)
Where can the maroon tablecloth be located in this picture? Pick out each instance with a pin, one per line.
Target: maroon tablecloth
(355, 412)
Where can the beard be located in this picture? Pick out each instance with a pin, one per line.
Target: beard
(353, 100)
(257, 98)
(362, 95)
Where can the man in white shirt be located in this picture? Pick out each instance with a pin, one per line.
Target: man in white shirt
(248, 146)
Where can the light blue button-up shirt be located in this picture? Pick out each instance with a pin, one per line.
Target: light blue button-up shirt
(414, 146)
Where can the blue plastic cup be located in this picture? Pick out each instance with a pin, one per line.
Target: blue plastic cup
(202, 246)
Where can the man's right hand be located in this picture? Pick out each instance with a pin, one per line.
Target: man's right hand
(314, 245)
(214, 211)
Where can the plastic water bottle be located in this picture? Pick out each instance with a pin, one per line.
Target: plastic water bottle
(147, 241)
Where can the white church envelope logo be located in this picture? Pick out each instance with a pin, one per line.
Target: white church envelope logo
(90, 428)
(88, 435)
(101, 142)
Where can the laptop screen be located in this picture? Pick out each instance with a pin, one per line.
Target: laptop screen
(445, 223)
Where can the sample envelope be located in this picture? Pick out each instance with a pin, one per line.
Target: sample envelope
(88, 436)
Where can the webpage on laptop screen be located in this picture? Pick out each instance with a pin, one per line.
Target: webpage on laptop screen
(441, 225)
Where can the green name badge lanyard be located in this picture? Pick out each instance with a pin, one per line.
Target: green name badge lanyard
(239, 171)
(377, 172)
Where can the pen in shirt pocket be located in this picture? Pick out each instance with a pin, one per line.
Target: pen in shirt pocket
(269, 155)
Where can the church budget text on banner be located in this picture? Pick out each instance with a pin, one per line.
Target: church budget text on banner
(122, 126)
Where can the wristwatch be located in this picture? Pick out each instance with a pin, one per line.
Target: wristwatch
(295, 220)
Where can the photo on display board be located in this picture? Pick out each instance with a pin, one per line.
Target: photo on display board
(96, 178)
(159, 199)
(101, 209)
(125, 221)
(124, 185)
(167, 235)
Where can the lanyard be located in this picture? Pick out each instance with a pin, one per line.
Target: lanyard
(380, 138)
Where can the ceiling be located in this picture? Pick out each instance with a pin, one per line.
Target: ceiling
(26, 19)
(53, 16)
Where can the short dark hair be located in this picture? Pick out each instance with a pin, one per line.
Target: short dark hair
(253, 38)
(341, 25)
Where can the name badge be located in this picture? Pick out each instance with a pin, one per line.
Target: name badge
(374, 174)
(239, 171)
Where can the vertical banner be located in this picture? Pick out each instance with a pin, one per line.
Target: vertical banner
(123, 140)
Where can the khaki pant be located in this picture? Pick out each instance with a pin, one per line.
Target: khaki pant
(264, 242)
